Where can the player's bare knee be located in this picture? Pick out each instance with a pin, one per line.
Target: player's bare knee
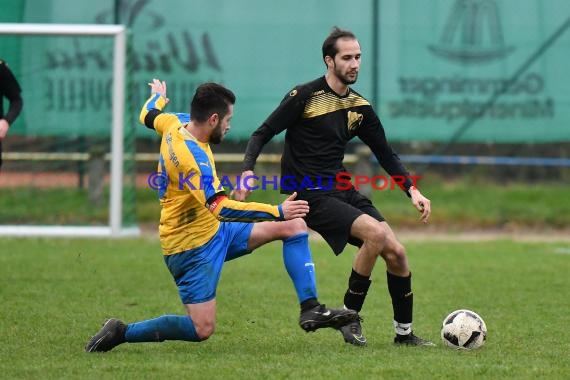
(294, 227)
(398, 249)
(204, 331)
(395, 256)
(204, 328)
(375, 239)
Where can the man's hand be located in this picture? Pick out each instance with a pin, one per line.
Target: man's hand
(421, 203)
(3, 128)
(247, 182)
(294, 209)
(158, 87)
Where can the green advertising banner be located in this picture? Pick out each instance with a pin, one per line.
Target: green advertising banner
(488, 70)
(260, 49)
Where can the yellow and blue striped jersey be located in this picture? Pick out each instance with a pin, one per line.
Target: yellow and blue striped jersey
(192, 200)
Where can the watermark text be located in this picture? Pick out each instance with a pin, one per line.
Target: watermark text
(341, 181)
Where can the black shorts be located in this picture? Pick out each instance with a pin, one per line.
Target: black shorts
(333, 212)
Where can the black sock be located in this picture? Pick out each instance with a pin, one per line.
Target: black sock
(357, 289)
(309, 304)
(400, 289)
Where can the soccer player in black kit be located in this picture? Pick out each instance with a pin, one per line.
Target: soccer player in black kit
(10, 89)
(320, 118)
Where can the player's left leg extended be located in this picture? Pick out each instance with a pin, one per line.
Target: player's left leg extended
(299, 264)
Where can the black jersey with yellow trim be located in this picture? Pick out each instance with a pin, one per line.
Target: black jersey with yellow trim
(319, 123)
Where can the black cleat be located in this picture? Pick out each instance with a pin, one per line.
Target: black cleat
(352, 333)
(320, 316)
(412, 340)
(111, 334)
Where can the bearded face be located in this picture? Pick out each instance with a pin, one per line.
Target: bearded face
(346, 62)
(218, 133)
(222, 127)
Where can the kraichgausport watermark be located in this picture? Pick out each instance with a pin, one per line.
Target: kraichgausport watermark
(340, 181)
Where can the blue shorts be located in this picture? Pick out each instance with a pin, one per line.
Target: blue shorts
(197, 271)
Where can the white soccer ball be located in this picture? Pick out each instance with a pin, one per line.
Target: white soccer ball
(464, 329)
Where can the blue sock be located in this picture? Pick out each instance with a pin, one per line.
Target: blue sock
(299, 265)
(166, 327)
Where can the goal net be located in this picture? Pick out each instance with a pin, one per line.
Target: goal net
(68, 159)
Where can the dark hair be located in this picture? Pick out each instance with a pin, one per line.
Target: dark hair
(329, 46)
(210, 98)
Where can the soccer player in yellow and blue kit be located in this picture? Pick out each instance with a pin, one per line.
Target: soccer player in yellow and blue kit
(201, 228)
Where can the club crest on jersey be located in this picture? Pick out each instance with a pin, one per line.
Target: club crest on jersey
(354, 120)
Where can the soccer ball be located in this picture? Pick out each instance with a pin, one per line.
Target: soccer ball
(464, 329)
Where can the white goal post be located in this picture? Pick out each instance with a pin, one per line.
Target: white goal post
(115, 227)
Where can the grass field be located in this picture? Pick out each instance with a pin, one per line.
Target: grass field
(56, 292)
